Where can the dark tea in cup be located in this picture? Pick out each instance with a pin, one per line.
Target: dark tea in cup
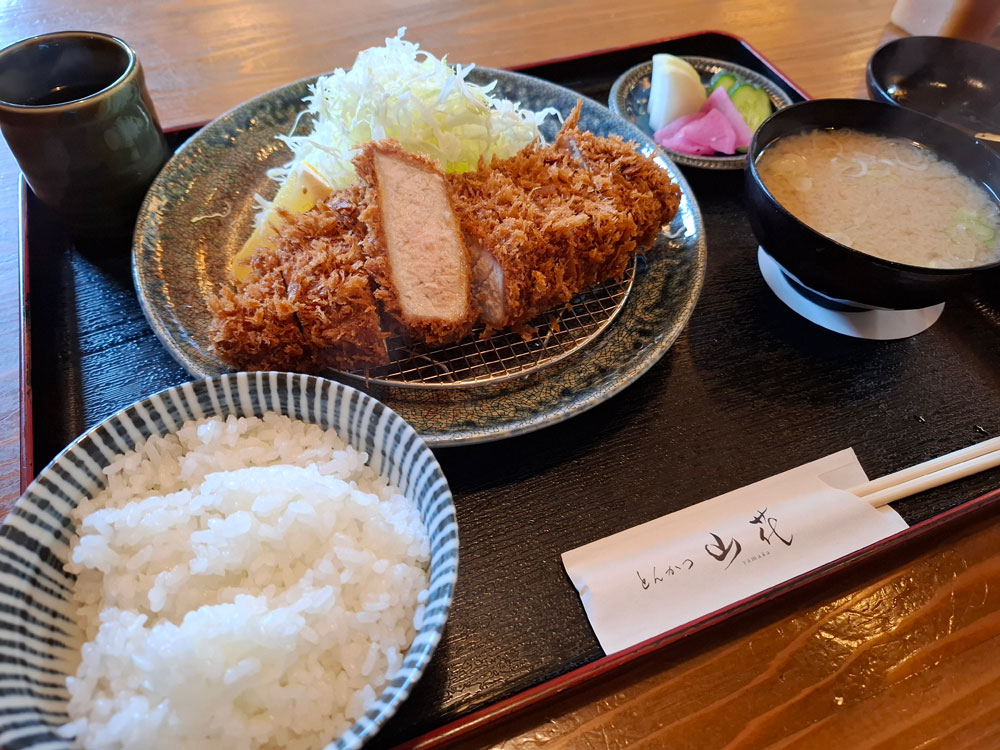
(76, 113)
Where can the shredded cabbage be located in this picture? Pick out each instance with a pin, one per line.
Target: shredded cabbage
(400, 91)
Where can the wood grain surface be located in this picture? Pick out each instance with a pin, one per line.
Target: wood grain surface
(902, 652)
(898, 654)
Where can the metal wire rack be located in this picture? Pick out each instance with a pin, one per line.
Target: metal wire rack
(478, 361)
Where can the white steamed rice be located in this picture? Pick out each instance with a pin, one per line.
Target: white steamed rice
(247, 583)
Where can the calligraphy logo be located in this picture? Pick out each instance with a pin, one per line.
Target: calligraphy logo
(772, 523)
(720, 550)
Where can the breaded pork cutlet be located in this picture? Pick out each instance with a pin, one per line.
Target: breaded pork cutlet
(429, 255)
(416, 250)
(552, 221)
(254, 327)
(308, 303)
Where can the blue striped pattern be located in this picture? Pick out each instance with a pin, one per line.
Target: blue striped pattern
(38, 637)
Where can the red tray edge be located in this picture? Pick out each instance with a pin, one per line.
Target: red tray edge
(26, 458)
(769, 64)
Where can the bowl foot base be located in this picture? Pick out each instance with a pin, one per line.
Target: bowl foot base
(843, 316)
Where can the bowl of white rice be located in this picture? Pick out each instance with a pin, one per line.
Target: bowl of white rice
(256, 560)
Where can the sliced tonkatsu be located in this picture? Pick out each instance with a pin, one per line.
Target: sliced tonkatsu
(552, 221)
(415, 246)
(412, 250)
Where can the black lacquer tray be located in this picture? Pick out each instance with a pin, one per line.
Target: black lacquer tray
(748, 390)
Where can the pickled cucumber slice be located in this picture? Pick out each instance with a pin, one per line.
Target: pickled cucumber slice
(727, 80)
(753, 103)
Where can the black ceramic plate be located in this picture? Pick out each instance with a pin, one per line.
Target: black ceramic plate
(951, 79)
(199, 211)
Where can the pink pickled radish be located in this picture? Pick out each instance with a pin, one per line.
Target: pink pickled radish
(679, 143)
(711, 130)
(719, 99)
(717, 128)
(673, 126)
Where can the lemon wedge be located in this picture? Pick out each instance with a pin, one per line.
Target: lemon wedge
(675, 90)
(303, 188)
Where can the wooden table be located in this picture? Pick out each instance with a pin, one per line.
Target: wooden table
(898, 653)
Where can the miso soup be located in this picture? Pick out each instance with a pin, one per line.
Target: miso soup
(883, 196)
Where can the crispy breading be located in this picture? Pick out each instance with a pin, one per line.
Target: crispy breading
(255, 327)
(415, 246)
(308, 303)
(558, 219)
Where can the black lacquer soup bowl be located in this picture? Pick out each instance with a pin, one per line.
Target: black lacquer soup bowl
(836, 270)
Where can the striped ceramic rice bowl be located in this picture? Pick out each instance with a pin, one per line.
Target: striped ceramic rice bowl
(146, 675)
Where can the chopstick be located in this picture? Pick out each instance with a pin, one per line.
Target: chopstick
(988, 136)
(929, 474)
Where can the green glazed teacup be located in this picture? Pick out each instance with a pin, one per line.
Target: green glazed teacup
(76, 114)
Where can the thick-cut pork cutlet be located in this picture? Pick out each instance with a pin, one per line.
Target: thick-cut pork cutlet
(552, 221)
(308, 303)
(417, 252)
